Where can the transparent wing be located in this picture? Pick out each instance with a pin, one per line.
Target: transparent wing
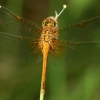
(80, 43)
(19, 36)
(24, 48)
(14, 24)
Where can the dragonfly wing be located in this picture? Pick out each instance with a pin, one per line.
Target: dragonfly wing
(24, 48)
(83, 31)
(80, 43)
(14, 24)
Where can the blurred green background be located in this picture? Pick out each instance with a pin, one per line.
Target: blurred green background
(21, 81)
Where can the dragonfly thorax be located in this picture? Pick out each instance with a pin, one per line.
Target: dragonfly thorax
(48, 36)
(50, 33)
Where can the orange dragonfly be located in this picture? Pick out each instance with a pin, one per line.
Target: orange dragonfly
(71, 45)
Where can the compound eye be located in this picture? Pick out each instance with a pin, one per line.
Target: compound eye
(53, 24)
(43, 24)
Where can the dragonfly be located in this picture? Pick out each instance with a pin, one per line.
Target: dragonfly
(72, 45)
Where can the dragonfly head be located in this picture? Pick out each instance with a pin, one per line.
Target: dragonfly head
(52, 21)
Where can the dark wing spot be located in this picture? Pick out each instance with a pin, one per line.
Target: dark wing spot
(82, 23)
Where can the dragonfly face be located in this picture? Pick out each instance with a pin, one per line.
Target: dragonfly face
(50, 22)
